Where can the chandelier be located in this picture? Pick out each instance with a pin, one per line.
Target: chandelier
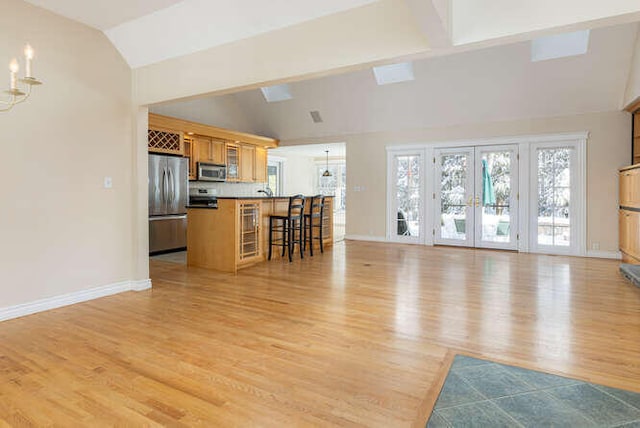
(15, 94)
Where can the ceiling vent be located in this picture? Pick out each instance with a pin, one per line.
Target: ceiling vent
(315, 115)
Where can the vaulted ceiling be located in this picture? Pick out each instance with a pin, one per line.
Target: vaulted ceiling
(151, 31)
(491, 84)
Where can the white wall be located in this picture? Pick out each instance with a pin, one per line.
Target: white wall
(608, 149)
(632, 91)
(298, 172)
(61, 231)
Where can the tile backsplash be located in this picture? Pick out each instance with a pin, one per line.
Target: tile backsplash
(230, 189)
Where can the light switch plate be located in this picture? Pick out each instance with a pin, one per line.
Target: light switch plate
(108, 183)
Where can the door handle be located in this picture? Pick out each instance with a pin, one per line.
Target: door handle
(470, 201)
(172, 185)
(477, 201)
(165, 185)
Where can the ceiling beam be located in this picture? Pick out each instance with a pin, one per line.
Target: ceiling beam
(433, 18)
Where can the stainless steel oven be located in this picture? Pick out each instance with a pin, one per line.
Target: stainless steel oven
(211, 172)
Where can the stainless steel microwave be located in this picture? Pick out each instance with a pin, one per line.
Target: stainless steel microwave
(211, 172)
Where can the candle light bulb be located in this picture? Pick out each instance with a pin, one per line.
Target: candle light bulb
(28, 52)
(28, 55)
(14, 66)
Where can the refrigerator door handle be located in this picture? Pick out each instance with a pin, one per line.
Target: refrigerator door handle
(165, 189)
(168, 217)
(172, 187)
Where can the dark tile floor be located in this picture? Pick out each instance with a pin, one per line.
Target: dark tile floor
(479, 393)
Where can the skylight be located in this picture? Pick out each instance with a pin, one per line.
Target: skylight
(560, 46)
(276, 93)
(393, 73)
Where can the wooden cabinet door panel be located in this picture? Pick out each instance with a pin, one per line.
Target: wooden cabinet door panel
(232, 161)
(630, 188)
(203, 145)
(247, 161)
(218, 152)
(190, 152)
(260, 167)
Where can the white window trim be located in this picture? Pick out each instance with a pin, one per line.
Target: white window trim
(578, 205)
(525, 143)
(392, 220)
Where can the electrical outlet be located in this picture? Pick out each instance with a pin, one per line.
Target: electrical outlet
(108, 183)
(595, 246)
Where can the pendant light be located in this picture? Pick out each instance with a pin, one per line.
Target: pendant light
(326, 172)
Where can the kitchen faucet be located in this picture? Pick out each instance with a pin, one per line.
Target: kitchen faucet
(267, 191)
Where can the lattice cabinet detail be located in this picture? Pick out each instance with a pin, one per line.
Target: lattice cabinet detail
(161, 141)
(249, 230)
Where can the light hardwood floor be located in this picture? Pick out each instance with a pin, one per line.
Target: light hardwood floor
(361, 335)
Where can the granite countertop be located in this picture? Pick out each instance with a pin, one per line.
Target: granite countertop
(261, 197)
(206, 207)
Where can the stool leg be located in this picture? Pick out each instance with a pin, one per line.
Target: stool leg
(270, 236)
(290, 240)
(311, 236)
(284, 237)
(304, 238)
(301, 236)
(321, 237)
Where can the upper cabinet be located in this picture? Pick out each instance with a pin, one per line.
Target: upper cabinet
(233, 161)
(260, 165)
(247, 162)
(210, 150)
(165, 141)
(245, 155)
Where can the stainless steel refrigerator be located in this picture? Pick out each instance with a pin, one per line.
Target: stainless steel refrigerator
(168, 193)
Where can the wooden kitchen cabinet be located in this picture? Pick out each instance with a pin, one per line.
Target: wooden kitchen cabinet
(260, 165)
(165, 141)
(189, 152)
(247, 162)
(236, 235)
(629, 214)
(210, 150)
(245, 155)
(249, 246)
(630, 187)
(232, 151)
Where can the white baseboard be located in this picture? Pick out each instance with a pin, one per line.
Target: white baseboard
(42, 305)
(604, 254)
(141, 285)
(365, 238)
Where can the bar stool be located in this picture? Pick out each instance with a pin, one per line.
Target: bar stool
(313, 220)
(290, 227)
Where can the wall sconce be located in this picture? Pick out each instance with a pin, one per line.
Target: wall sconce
(15, 95)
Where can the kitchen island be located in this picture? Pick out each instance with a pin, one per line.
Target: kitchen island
(235, 235)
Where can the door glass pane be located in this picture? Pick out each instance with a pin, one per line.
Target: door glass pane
(495, 194)
(554, 196)
(408, 195)
(453, 181)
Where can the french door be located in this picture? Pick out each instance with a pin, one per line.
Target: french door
(476, 197)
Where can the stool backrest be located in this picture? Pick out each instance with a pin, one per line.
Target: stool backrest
(296, 206)
(317, 206)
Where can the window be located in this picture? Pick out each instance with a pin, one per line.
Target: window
(554, 197)
(557, 199)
